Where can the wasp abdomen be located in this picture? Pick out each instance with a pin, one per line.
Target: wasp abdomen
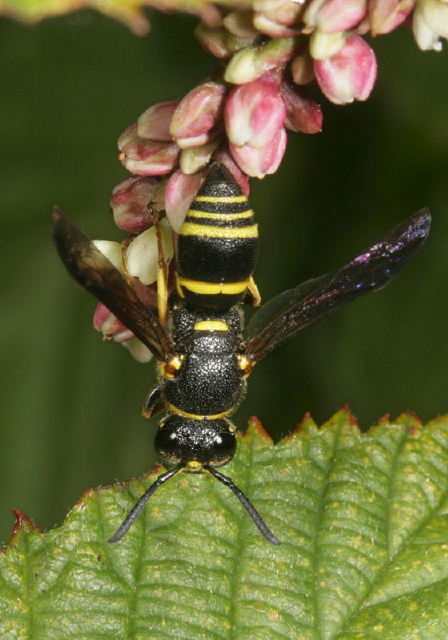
(218, 245)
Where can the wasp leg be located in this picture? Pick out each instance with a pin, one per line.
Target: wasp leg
(252, 295)
(162, 276)
(154, 403)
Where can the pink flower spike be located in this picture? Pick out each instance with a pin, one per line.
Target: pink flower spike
(197, 114)
(350, 74)
(129, 203)
(154, 123)
(180, 191)
(259, 162)
(387, 15)
(330, 16)
(254, 113)
(302, 113)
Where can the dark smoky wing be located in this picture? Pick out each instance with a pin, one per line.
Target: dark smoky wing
(97, 275)
(290, 312)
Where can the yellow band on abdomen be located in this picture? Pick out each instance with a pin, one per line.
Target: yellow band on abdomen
(212, 288)
(192, 229)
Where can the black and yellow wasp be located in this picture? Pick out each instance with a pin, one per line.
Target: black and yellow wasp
(204, 354)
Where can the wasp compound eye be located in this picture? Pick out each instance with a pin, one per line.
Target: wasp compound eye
(224, 447)
(166, 443)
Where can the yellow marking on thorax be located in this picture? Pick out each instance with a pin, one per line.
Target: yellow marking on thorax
(195, 416)
(245, 365)
(211, 325)
(211, 288)
(192, 229)
(220, 216)
(225, 199)
(170, 368)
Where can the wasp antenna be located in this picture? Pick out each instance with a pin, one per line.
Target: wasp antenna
(247, 504)
(138, 507)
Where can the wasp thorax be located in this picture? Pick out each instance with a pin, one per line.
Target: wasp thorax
(181, 439)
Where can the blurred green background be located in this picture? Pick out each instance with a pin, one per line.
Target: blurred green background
(69, 404)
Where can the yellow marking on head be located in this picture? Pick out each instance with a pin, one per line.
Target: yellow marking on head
(211, 325)
(225, 199)
(195, 416)
(194, 465)
(192, 229)
(220, 216)
(211, 288)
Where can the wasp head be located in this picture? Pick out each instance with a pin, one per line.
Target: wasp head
(195, 442)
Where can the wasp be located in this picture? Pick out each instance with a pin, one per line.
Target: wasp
(204, 353)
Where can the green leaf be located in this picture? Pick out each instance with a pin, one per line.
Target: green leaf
(362, 520)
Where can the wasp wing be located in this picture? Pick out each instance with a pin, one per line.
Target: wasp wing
(97, 275)
(288, 313)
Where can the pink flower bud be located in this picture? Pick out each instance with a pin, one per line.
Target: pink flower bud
(138, 350)
(146, 157)
(151, 159)
(278, 18)
(254, 113)
(326, 45)
(259, 162)
(112, 251)
(154, 123)
(180, 191)
(113, 329)
(219, 42)
(142, 255)
(350, 74)
(283, 12)
(302, 68)
(198, 113)
(197, 158)
(240, 24)
(273, 29)
(254, 61)
(330, 16)
(430, 23)
(142, 258)
(130, 201)
(225, 157)
(109, 325)
(302, 113)
(386, 15)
